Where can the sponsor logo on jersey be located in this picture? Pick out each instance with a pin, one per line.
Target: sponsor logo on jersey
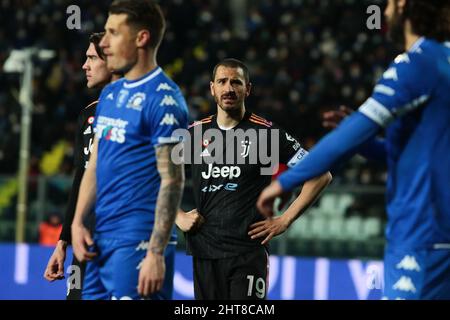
(110, 96)
(214, 188)
(168, 101)
(224, 172)
(169, 120)
(408, 263)
(404, 284)
(111, 129)
(135, 102)
(164, 86)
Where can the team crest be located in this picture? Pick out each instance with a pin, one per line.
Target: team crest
(136, 101)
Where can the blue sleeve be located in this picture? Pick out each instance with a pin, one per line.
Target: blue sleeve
(167, 113)
(334, 147)
(406, 85)
(374, 149)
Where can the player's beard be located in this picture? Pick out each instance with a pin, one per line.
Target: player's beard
(234, 108)
(396, 25)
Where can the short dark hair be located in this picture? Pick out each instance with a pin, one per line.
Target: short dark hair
(232, 63)
(95, 38)
(142, 14)
(429, 18)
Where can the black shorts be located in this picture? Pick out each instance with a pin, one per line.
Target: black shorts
(74, 287)
(242, 277)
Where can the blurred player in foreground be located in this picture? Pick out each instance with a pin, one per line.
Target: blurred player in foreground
(412, 103)
(97, 75)
(226, 235)
(131, 179)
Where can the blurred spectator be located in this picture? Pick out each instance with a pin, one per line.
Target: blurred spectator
(49, 230)
(305, 57)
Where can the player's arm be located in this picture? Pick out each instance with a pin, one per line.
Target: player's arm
(81, 237)
(270, 228)
(55, 266)
(151, 277)
(398, 93)
(333, 148)
(374, 149)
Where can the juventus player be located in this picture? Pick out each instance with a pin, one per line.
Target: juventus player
(225, 234)
(97, 76)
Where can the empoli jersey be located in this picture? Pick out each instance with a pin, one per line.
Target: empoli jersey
(412, 100)
(133, 117)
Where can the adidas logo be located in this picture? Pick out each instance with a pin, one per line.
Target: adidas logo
(168, 101)
(404, 284)
(164, 86)
(88, 130)
(110, 97)
(205, 153)
(408, 263)
(169, 119)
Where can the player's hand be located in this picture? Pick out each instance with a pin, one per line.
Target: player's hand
(151, 275)
(81, 240)
(189, 221)
(267, 198)
(331, 119)
(269, 228)
(55, 265)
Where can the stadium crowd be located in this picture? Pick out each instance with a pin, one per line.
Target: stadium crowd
(305, 57)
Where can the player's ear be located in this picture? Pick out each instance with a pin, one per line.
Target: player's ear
(211, 88)
(143, 38)
(248, 89)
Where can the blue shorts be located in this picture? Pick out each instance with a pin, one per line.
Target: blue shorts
(416, 274)
(114, 273)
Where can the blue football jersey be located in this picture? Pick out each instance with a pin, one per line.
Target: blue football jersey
(412, 100)
(133, 117)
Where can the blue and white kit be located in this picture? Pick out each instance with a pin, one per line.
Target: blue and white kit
(133, 117)
(412, 102)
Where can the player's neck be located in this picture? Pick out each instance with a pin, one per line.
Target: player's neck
(229, 119)
(144, 64)
(410, 36)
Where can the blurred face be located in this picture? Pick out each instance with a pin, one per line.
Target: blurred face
(393, 14)
(229, 88)
(97, 73)
(119, 44)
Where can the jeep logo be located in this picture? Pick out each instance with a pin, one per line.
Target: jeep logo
(224, 172)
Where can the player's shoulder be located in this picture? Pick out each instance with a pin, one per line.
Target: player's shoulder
(258, 121)
(204, 121)
(422, 55)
